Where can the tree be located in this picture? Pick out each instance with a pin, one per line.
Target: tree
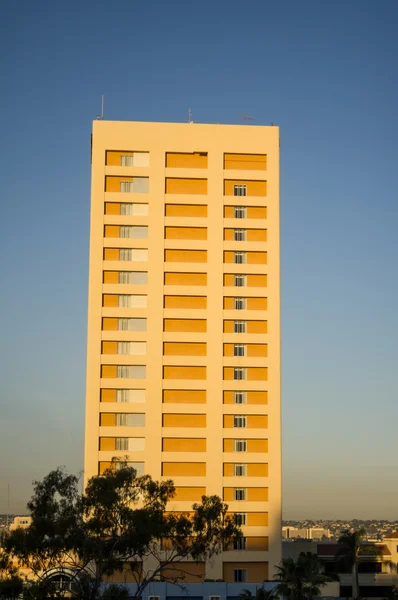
(119, 524)
(10, 581)
(302, 579)
(261, 594)
(347, 556)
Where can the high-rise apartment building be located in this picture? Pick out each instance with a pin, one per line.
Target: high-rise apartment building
(183, 367)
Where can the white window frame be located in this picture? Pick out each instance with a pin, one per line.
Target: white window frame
(240, 543)
(240, 421)
(240, 397)
(240, 470)
(240, 575)
(239, 373)
(239, 326)
(239, 235)
(240, 189)
(239, 303)
(126, 160)
(122, 443)
(240, 212)
(239, 280)
(239, 349)
(126, 186)
(241, 518)
(240, 445)
(240, 494)
(239, 258)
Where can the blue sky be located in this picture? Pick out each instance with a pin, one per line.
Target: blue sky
(325, 72)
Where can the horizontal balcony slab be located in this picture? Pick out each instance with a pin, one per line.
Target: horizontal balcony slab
(233, 223)
(245, 385)
(139, 244)
(245, 269)
(184, 432)
(245, 433)
(122, 432)
(186, 198)
(186, 361)
(171, 244)
(202, 222)
(185, 384)
(124, 288)
(243, 457)
(122, 383)
(122, 407)
(184, 336)
(121, 171)
(244, 361)
(185, 267)
(183, 456)
(248, 174)
(124, 336)
(108, 455)
(123, 220)
(125, 313)
(123, 359)
(126, 197)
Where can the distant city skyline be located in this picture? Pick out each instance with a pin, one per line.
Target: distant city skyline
(326, 75)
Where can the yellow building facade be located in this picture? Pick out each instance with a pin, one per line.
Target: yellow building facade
(183, 359)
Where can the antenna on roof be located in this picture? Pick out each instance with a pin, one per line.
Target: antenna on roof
(101, 116)
(245, 118)
(190, 116)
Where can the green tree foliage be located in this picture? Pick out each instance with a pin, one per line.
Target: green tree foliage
(10, 581)
(302, 579)
(120, 522)
(351, 546)
(261, 594)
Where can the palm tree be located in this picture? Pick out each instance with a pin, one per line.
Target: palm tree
(261, 594)
(351, 546)
(301, 580)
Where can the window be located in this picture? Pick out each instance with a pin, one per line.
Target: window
(131, 210)
(240, 189)
(130, 395)
(138, 466)
(140, 185)
(239, 258)
(240, 518)
(132, 301)
(240, 471)
(122, 443)
(240, 575)
(130, 420)
(240, 397)
(240, 212)
(239, 326)
(240, 544)
(133, 277)
(126, 161)
(126, 186)
(239, 280)
(132, 324)
(239, 373)
(240, 445)
(239, 349)
(239, 303)
(127, 231)
(240, 494)
(240, 421)
(239, 235)
(131, 371)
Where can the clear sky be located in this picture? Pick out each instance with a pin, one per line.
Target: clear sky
(326, 73)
